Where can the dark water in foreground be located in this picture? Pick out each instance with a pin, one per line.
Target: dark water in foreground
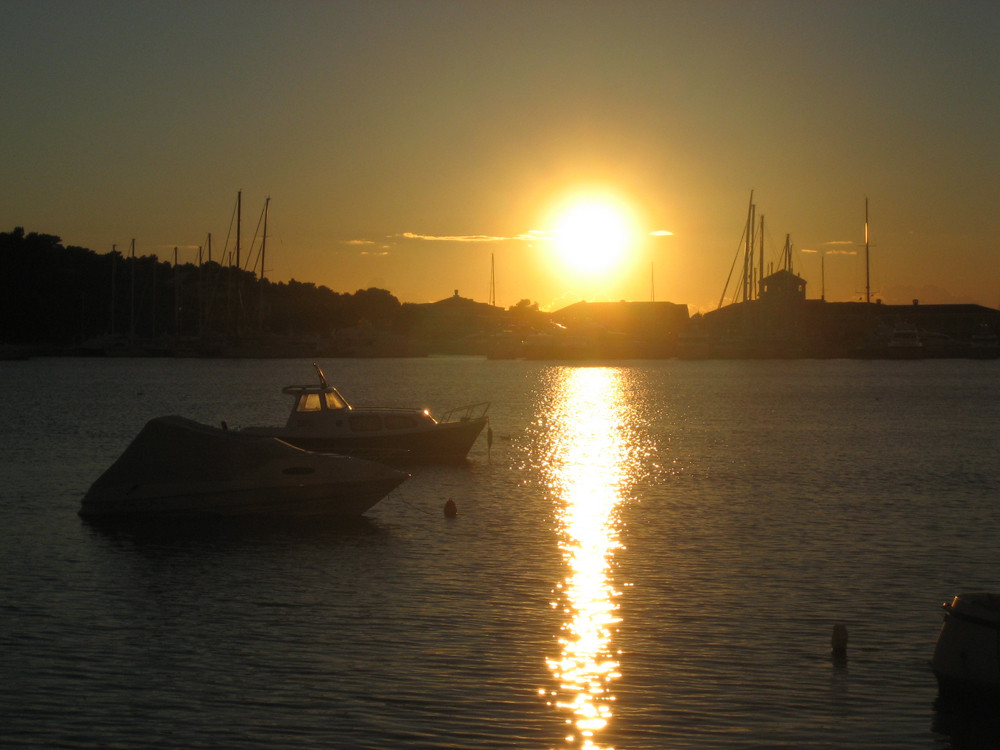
(651, 556)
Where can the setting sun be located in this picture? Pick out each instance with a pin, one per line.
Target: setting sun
(592, 234)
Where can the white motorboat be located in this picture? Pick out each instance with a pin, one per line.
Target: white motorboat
(966, 658)
(905, 343)
(177, 467)
(323, 420)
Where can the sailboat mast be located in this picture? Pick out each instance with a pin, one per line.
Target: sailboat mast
(868, 281)
(263, 247)
(760, 276)
(263, 241)
(239, 210)
(114, 252)
(201, 293)
(748, 249)
(493, 280)
(822, 276)
(131, 304)
(177, 297)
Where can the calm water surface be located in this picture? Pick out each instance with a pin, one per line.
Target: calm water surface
(650, 555)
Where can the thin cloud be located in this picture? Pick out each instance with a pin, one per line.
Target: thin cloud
(452, 237)
(835, 244)
(362, 243)
(661, 233)
(531, 236)
(831, 252)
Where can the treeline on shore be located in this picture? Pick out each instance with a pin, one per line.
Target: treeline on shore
(67, 296)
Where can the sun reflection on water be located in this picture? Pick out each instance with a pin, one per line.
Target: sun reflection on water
(587, 470)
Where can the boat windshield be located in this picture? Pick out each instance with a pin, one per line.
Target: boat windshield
(325, 400)
(335, 401)
(308, 402)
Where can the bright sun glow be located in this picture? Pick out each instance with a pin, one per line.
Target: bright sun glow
(593, 234)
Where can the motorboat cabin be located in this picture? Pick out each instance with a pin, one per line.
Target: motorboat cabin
(323, 420)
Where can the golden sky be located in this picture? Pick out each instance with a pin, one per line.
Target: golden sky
(405, 144)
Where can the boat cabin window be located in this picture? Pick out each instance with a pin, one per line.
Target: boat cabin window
(365, 422)
(335, 401)
(308, 402)
(399, 422)
(317, 401)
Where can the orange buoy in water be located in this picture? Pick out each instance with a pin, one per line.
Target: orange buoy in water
(450, 509)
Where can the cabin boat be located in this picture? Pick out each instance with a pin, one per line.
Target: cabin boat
(905, 343)
(179, 468)
(323, 420)
(966, 659)
(984, 343)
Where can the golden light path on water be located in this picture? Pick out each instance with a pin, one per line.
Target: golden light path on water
(587, 468)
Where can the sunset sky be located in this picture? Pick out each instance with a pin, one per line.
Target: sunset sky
(403, 144)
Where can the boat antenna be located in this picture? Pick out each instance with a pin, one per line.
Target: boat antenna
(322, 377)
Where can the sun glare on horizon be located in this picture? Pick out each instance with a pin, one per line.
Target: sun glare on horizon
(592, 234)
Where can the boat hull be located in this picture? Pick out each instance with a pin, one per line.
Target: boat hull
(176, 467)
(445, 442)
(966, 659)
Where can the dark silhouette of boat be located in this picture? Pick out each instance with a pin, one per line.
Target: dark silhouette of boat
(179, 468)
(323, 420)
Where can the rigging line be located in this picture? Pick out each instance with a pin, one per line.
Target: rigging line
(408, 504)
(229, 233)
(739, 249)
(256, 231)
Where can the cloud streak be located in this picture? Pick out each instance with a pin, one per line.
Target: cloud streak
(464, 237)
(533, 235)
(830, 252)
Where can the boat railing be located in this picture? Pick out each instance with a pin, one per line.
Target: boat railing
(466, 413)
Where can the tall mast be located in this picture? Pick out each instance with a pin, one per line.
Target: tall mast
(239, 279)
(239, 206)
(177, 297)
(114, 252)
(652, 281)
(263, 246)
(493, 280)
(201, 293)
(868, 281)
(822, 276)
(263, 241)
(748, 249)
(131, 307)
(760, 276)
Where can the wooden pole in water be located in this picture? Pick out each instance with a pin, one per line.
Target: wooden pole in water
(838, 642)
